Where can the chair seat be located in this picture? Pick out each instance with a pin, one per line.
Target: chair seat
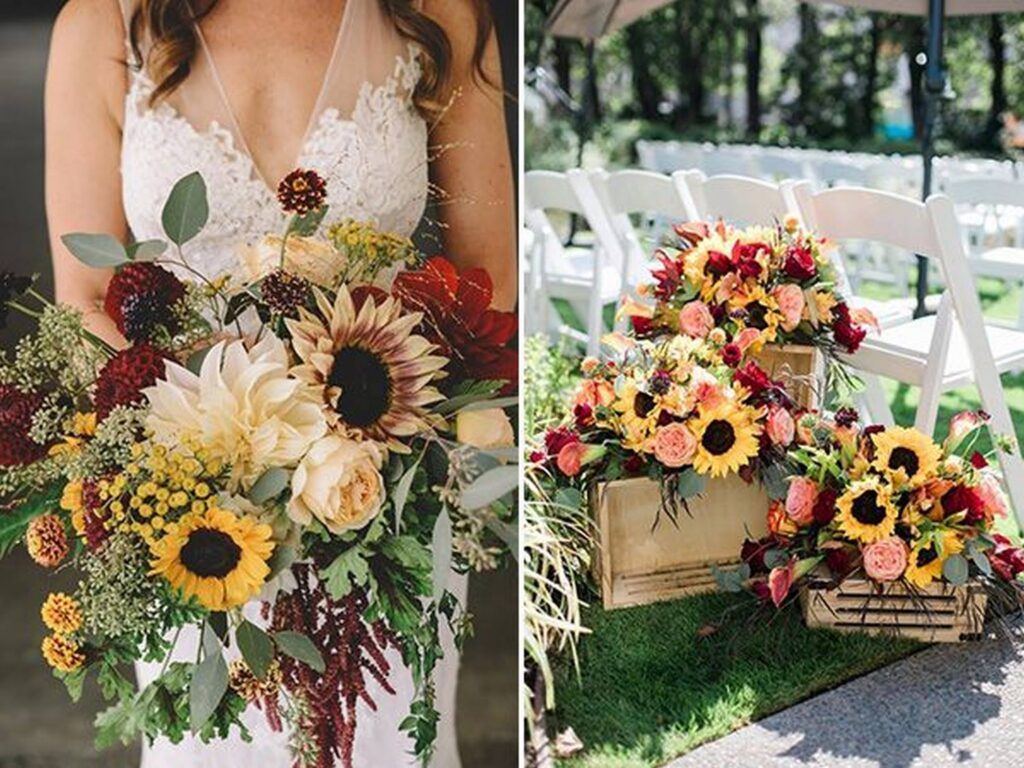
(1004, 263)
(572, 277)
(888, 313)
(901, 352)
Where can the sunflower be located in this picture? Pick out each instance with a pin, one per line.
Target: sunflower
(638, 412)
(726, 438)
(376, 374)
(905, 455)
(215, 557)
(866, 512)
(926, 559)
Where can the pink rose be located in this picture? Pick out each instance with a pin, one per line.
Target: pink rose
(885, 560)
(800, 499)
(674, 445)
(570, 458)
(780, 580)
(695, 320)
(790, 298)
(992, 496)
(746, 337)
(780, 428)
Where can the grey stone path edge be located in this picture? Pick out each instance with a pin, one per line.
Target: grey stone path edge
(951, 705)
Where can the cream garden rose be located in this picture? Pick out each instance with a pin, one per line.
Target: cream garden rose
(485, 429)
(316, 260)
(338, 483)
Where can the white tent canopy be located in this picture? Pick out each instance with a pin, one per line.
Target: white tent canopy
(920, 7)
(591, 19)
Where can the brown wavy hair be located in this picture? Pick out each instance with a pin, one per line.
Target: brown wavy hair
(168, 27)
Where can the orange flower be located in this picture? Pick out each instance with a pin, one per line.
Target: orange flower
(779, 523)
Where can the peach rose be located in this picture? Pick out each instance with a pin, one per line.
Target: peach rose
(674, 445)
(745, 338)
(992, 496)
(885, 560)
(790, 298)
(780, 427)
(695, 320)
(595, 393)
(800, 499)
(338, 483)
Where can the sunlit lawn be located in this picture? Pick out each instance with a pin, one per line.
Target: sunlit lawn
(651, 688)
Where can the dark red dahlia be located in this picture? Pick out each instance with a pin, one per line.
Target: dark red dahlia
(17, 409)
(302, 191)
(125, 375)
(799, 263)
(848, 334)
(753, 378)
(479, 342)
(141, 297)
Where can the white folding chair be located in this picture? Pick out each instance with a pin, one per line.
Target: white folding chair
(949, 350)
(726, 159)
(588, 278)
(739, 200)
(652, 196)
(777, 164)
(991, 215)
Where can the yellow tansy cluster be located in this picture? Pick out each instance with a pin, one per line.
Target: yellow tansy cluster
(156, 488)
(368, 249)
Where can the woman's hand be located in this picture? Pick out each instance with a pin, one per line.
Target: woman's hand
(474, 166)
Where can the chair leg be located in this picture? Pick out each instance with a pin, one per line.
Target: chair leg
(994, 403)
(938, 353)
(1020, 308)
(595, 323)
(875, 400)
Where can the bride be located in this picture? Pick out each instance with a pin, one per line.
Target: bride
(385, 99)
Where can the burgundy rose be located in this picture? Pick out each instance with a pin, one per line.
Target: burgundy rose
(1007, 560)
(642, 326)
(824, 508)
(978, 461)
(962, 498)
(556, 439)
(718, 263)
(634, 463)
(761, 590)
(752, 553)
(800, 264)
(749, 268)
(840, 561)
(583, 414)
(847, 333)
(732, 354)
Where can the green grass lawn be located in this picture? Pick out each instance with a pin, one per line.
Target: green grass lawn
(651, 688)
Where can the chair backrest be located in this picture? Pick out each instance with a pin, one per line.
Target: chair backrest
(834, 172)
(986, 191)
(728, 160)
(736, 199)
(776, 164)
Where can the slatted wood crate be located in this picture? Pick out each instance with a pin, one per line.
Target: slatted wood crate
(636, 565)
(800, 367)
(939, 613)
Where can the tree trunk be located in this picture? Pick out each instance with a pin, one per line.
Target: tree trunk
(645, 88)
(729, 63)
(591, 93)
(869, 98)
(997, 60)
(806, 52)
(753, 27)
(690, 60)
(563, 64)
(915, 46)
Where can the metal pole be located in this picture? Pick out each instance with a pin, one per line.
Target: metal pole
(934, 87)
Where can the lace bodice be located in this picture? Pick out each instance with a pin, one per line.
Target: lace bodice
(366, 139)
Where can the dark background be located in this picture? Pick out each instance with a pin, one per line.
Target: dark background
(39, 727)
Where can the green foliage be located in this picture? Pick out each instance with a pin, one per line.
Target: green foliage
(550, 374)
(186, 210)
(14, 523)
(300, 648)
(256, 647)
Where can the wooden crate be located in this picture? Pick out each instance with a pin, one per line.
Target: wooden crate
(939, 613)
(636, 565)
(800, 367)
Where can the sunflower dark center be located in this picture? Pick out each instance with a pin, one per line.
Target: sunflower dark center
(643, 404)
(866, 509)
(719, 437)
(365, 384)
(905, 459)
(925, 556)
(210, 553)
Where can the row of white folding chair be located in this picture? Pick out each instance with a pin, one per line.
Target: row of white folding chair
(953, 349)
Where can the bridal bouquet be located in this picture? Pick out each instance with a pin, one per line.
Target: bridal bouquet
(672, 410)
(292, 463)
(888, 504)
(759, 285)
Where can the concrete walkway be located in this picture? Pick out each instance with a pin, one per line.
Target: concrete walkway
(954, 705)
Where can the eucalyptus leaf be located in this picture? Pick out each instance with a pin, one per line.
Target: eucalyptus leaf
(490, 486)
(300, 648)
(569, 498)
(956, 570)
(146, 250)
(690, 484)
(186, 210)
(400, 496)
(195, 360)
(775, 558)
(218, 622)
(441, 545)
(981, 562)
(256, 647)
(271, 484)
(208, 686)
(99, 251)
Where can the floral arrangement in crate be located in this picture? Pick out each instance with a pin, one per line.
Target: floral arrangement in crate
(303, 443)
(758, 285)
(672, 410)
(887, 504)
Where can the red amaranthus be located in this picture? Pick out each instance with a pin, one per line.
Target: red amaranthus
(352, 650)
(479, 341)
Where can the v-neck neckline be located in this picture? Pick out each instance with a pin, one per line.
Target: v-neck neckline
(314, 116)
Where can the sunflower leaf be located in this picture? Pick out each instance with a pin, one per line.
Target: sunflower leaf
(300, 648)
(186, 210)
(256, 647)
(208, 686)
(956, 570)
(270, 485)
(100, 251)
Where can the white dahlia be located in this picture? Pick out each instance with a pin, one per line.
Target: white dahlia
(243, 409)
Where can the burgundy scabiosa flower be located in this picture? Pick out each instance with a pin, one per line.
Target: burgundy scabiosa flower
(302, 191)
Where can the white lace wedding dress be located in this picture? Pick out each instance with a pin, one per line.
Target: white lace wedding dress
(370, 144)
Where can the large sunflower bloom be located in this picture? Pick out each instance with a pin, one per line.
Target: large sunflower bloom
(926, 561)
(376, 374)
(727, 438)
(215, 557)
(906, 455)
(866, 512)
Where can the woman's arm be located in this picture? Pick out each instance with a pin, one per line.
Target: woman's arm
(85, 86)
(476, 173)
